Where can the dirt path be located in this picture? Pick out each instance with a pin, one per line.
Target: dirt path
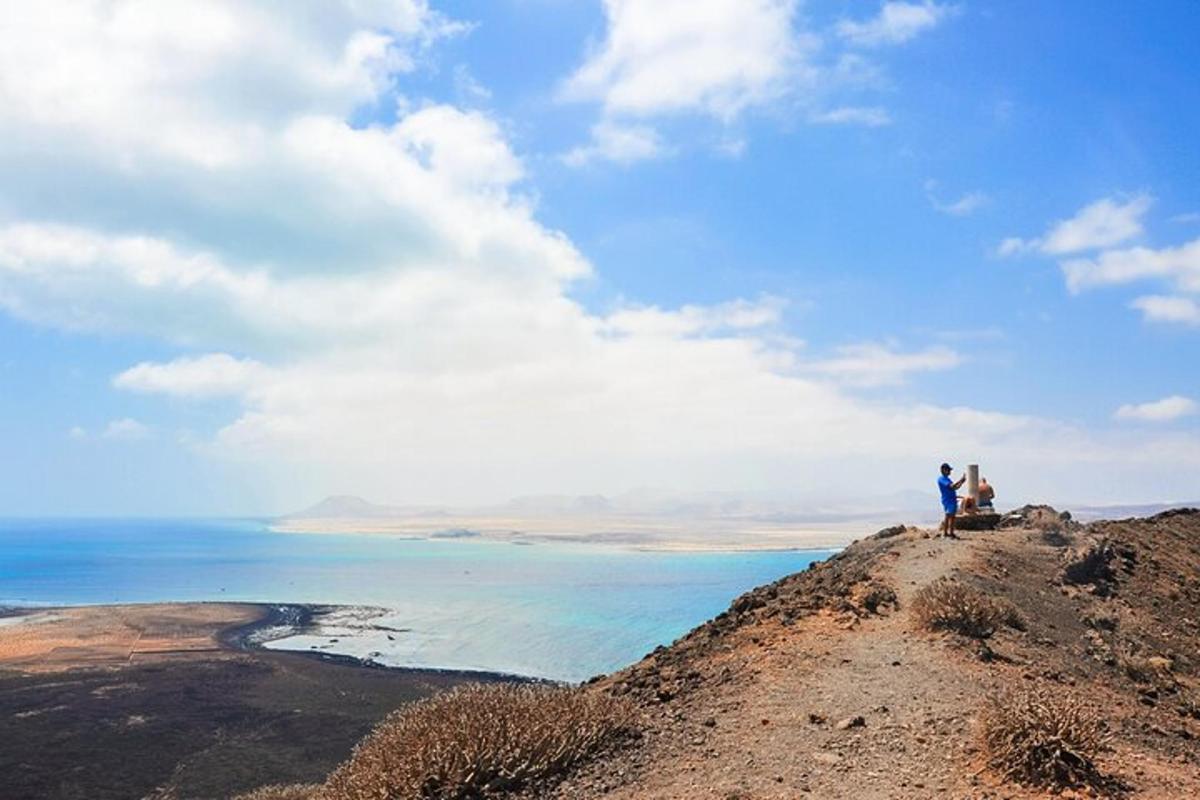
(793, 729)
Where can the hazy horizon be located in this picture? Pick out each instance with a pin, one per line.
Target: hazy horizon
(254, 254)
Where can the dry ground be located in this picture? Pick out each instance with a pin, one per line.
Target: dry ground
(54, 640)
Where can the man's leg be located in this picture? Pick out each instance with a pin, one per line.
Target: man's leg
(950, 519)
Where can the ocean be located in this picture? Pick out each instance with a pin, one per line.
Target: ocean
(558, 611)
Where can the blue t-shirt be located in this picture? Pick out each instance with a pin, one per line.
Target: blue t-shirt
(949, 499)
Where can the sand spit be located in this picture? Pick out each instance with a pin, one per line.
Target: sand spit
(649, 533)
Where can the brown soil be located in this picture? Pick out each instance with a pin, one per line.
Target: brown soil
(154, 701)
(821, 686)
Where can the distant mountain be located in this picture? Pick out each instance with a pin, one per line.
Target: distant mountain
(1091, 513)
(650, 502)
(344, 506)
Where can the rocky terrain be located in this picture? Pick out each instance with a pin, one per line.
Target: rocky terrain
(823, 684)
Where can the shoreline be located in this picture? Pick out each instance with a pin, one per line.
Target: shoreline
(282, 620)
(157, 700)
(300, 619)
(628, 534)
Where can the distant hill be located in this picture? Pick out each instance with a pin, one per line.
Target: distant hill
(1092, 513)
(651, 503)
(344, 506)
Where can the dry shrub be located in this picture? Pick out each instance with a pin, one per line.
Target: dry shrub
(950, 605)
(479, 740)
(1043, 739)
(291, 791)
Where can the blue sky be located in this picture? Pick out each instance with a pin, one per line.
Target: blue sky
(458, 252)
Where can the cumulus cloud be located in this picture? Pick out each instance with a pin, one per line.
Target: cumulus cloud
(1100, 227)
(155, 79)
(1164, 410)
(715, 57)
(896, 22)
(722, 59)
(1104, 223)
(1180, 265)
(618, 142)
(212, 375)
(1168, 308)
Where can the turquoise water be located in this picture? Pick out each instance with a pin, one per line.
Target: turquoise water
(551, 610)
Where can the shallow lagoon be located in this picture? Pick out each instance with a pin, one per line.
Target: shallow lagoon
(563, 611)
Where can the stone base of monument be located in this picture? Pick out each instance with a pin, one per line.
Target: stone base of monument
(979, 521)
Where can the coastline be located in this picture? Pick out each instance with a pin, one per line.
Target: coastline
(178, 700)
(629, 533)
(230, 633)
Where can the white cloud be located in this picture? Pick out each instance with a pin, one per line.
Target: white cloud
(618, 142)
(1104, 223)
(897, 22)
(1162, 308)
(144, 79)
(1014, 245)
(715, 57)
(964, 206)
(721, 59)
(468, 89)
(1180, 265)
(874, 364)
(1165, 410)
(212, 375)
(870, 116)
(125, 429)
(77, 432)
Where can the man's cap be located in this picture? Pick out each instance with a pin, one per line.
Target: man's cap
(946, 466)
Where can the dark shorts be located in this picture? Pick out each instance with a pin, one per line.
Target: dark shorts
(950, 508)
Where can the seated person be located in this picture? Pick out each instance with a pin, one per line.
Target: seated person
(986, 494)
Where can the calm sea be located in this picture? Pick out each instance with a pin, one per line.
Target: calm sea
(559, 611)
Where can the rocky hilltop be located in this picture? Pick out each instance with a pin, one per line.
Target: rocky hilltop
(827, 684)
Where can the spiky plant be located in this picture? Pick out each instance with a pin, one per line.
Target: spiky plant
(478, 740)
(1043, 738)
(951, 605)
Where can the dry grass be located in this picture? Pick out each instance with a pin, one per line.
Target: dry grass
(478, 741)
(291, 791)
(1043, 739)
(950, 605)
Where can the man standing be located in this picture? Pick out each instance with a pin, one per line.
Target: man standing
(949, 499)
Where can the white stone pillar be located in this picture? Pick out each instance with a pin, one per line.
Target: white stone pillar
(973, 483)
